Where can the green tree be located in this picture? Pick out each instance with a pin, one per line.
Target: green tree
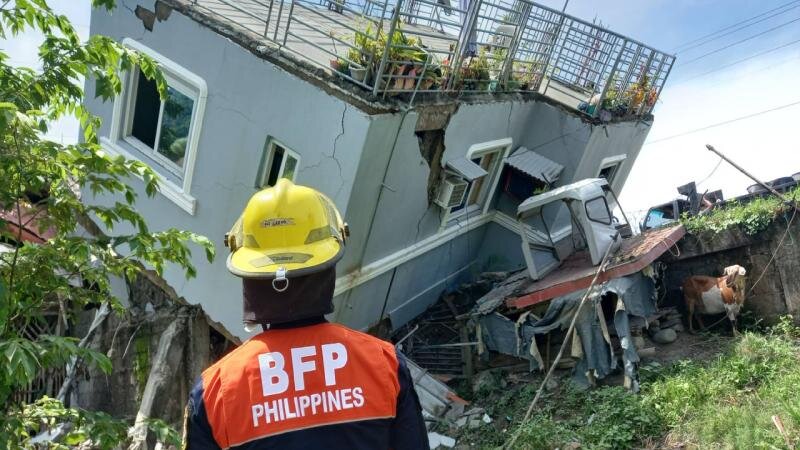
(40, 184)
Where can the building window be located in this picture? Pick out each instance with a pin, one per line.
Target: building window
(159, 128)
(276, 163)
(164, 134)
(609, 167)
(489, 156)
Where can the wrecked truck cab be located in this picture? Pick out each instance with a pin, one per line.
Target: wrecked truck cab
(553, 221)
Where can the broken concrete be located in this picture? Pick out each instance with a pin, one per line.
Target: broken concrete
(158, 348)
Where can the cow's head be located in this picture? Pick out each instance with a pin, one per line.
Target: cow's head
(735, 279)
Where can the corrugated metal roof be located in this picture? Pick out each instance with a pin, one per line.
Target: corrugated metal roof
(535, 165)
(466, 168)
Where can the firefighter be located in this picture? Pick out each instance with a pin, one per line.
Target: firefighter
(303, 382)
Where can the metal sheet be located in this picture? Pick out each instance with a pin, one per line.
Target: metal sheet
(466, 169)
(535, 165)
(580, 190)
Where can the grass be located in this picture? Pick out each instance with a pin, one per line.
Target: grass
(753, 217)
(725, 403)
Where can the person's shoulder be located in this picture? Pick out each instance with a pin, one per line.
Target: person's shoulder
(236, 357)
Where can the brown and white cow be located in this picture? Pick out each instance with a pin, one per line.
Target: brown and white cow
(710, 295)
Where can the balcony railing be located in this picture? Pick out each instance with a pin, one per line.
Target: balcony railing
(400, 48)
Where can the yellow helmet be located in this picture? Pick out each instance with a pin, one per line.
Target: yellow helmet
(285, 230)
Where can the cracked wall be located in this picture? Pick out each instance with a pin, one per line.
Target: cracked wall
(381, 170)
(249, 100)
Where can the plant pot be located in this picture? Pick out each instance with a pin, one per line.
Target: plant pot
(426, 84)
(359, 74)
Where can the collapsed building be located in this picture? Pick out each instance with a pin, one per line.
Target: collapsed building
(448, 119)
(621, 289)
(462, 115)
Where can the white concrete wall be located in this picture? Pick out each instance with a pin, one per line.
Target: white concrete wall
(248, 100)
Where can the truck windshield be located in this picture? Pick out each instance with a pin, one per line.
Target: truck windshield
(658, 217)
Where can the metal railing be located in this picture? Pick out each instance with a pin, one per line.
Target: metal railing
(404, 47)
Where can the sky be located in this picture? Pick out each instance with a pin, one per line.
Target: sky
(767, 144)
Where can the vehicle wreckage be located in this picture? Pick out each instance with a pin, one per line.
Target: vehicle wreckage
(565, 234)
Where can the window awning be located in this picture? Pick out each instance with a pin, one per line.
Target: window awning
(535, 165)
(466, 169)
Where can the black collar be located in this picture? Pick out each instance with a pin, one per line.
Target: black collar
(295, 323)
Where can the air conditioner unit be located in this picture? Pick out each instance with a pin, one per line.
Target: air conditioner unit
(451, 192)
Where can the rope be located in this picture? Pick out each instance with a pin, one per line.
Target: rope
(567, 338)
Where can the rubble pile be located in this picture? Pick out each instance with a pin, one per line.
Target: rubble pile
(439, 340)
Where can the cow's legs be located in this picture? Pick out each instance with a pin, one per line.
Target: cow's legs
(733, 327)
(700, 321)
(690, 307)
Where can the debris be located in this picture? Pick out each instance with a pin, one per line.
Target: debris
(566, 363)
(551, 384)
(170, 350)
(638, 342)
(678, 327)
(435, 397)
(494, 276)
(436, 440)
(648, 352)
(488, 380)
(665, 336)
(474, 418)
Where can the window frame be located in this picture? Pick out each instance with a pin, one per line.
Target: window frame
(500, 147)
(616, 162)
(130, 110)
(182, 80)
(266, 162)
(608, 210)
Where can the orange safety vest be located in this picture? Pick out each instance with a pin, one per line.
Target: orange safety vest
(291, 379)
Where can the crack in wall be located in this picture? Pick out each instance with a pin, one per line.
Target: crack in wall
(430, 130)
(510, 112)
(332, 155)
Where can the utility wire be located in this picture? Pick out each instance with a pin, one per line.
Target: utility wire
(736, 30)
(726, 66)
(678, 48)
(714, 170)
(719, 124)
(741, 41)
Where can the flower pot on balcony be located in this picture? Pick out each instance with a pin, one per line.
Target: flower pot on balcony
(359, 74)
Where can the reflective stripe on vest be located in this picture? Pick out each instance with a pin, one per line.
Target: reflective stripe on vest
(291, 379)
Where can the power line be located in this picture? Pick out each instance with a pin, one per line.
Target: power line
(734, 25)
(714, 170)
(740, 41)
(736, 30)
(719, 124)
(726, 66)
